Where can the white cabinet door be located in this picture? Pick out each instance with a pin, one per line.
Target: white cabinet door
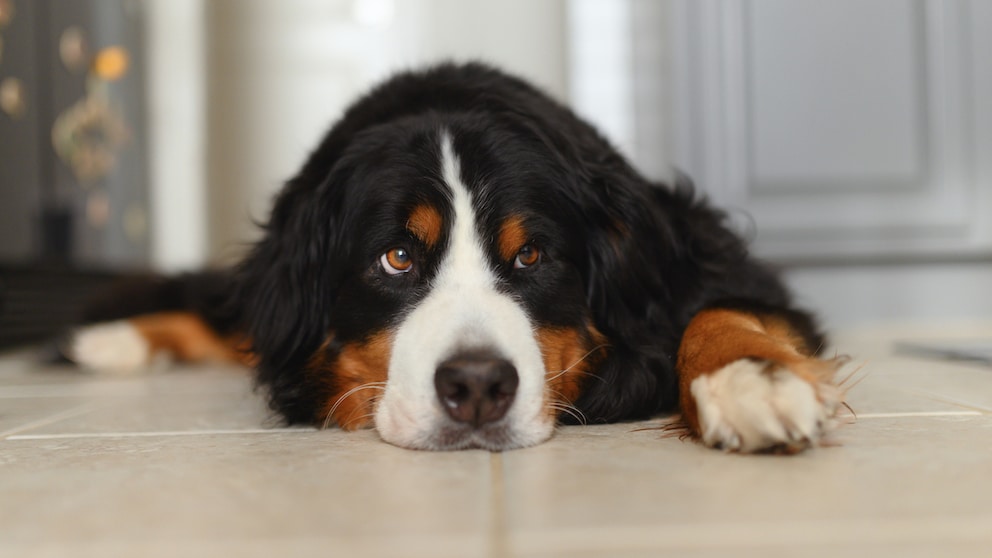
(844, 128)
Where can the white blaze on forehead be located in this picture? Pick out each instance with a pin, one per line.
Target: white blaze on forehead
(463, 310)
(466, 264)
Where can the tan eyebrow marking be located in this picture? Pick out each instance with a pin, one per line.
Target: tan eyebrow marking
(425, 223)
(512, 237)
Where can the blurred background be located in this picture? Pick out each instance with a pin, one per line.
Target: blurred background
(851, 139)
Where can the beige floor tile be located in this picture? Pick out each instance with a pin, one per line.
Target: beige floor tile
(880, 340)
(892, 385)
(165, 414)
(861, 549)
(171, 398)
(918, 481)
(252, 547)
(322, 493)
(23, 414)
(961, 384)
(900, 383)
(64, 381)
(103, 466)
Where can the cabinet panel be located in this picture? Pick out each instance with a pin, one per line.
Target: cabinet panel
(851, 114)
(843, 128)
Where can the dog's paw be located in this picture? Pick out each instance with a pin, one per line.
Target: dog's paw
(115, 347)
(752, 406)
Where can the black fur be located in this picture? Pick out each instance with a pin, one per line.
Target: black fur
(637, 258)
(206, 293)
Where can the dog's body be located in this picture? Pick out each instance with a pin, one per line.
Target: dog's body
(462, 262)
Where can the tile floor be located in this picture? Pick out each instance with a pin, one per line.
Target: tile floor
(188, 462)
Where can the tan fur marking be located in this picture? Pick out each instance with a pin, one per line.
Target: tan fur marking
(357, 365)
(569, 356)
(716, 338)
(512, 237)
(426, 224)
(187, 337)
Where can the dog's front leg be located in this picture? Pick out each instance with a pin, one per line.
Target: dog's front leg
(748, 383)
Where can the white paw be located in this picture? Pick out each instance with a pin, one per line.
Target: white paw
(748, 407)
(110, 347)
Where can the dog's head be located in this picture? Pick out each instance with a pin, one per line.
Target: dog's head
(452, 266)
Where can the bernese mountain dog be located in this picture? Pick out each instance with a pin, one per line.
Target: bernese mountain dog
(464, 263)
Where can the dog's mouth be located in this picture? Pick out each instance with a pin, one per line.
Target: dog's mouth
(491, 437)
(397, 424)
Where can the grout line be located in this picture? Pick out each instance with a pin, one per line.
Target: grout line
(155, 434)
(950, 400)
(921, 414)
(497, 523)
(75, 411)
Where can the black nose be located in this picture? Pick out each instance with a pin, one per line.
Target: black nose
(476, 387)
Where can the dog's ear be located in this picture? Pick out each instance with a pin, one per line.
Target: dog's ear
(656, 256)
(659, 252)
(285, 289)
(632, 250)
(633, 255)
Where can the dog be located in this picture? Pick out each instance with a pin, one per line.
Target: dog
(462, 262)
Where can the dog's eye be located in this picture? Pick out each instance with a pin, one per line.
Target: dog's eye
(396, 261)
(528, 256)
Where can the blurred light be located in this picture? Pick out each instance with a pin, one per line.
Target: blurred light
(7, 12)
(135, 224)
(111, 63)
(73, 49)
(98, 209)
(12, 98)
(374, 13)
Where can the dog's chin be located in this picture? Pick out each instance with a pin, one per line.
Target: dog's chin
(492, 438)
(450, 436)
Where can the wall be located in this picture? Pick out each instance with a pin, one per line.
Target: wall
(177, 110)
(904, 294)
(240, 101)
(857, 136)
(229, 126)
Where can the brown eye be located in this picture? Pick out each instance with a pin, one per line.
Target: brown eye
(396, 261)
(528, 256)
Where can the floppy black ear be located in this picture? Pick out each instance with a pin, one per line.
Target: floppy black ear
(663, 252)
(632, 271)
(285, 288)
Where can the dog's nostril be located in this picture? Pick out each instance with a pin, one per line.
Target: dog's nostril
(476, 387)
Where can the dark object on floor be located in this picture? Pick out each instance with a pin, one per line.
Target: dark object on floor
(970, 350)
(38, 302)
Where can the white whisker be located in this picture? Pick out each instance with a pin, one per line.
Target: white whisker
(358, 418)
(576, 363)
(561, 403)
(571, 410)
(371, 385)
